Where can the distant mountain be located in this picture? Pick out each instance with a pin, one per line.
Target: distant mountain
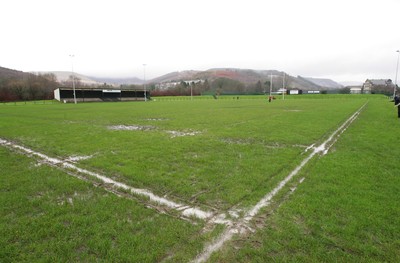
(245, 76)
(65, 75)
(118, 81)
(176, 76)
(249, 77)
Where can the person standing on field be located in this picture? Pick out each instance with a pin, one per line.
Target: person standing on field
(397, 104)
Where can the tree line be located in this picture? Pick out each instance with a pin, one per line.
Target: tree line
(33, 87)
(28, 87)
(219, 86)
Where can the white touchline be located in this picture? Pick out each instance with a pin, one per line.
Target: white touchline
(243, 223)
(184, 209)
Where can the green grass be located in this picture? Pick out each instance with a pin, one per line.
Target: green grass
(48, 216)
(346, 210)
(242, 144)
(243, 149)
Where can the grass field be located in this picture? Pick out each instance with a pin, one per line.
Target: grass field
(221, 156)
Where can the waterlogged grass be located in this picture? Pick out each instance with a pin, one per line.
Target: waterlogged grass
(240, 150)
(48, 216)
(346, 210)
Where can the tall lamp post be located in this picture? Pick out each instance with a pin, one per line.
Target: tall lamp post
(73, 77)
(270, 90)
(144, 82)
(397, 70)
(283, 86)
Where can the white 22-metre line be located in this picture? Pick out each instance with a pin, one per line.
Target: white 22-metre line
(184, 209)
(243, 224)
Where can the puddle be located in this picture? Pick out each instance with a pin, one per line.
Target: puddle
(271, 145)
(149, 128)
(236, 141)
(130, 128)
(156, 119)
(74, 159)
(235, 213)
(181, 133)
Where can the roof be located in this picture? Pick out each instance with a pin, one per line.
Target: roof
(103, 88)
(379, 82)
(326, 83)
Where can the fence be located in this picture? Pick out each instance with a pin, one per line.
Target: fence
(29, 102)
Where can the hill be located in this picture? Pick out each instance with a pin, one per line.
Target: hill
(250, 77)
(6, 73)
(245, 76)
(88, 80)
(63, 76)
(176, 76)
(118, 81)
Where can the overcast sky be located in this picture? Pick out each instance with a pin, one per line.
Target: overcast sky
(346, 40)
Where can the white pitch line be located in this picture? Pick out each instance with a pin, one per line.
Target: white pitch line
(186, 211)
(320, 149)
(243, 223)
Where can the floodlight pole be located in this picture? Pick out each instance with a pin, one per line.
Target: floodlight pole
(270, 87)
(283, 86)
(191, 91)
(73, 77)
(144, 82)
(397, 70)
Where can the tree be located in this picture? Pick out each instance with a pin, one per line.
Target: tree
(227, 86)
(17, 87)
(267, 86)
(48, 83)
(206, 85)
(33, 88)
(258, 88)
(344, 91)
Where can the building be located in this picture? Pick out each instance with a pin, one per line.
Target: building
(167, 85)
(372, 86)
(355, 89)
(294, 92)
(66, 94)
(320, 83)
